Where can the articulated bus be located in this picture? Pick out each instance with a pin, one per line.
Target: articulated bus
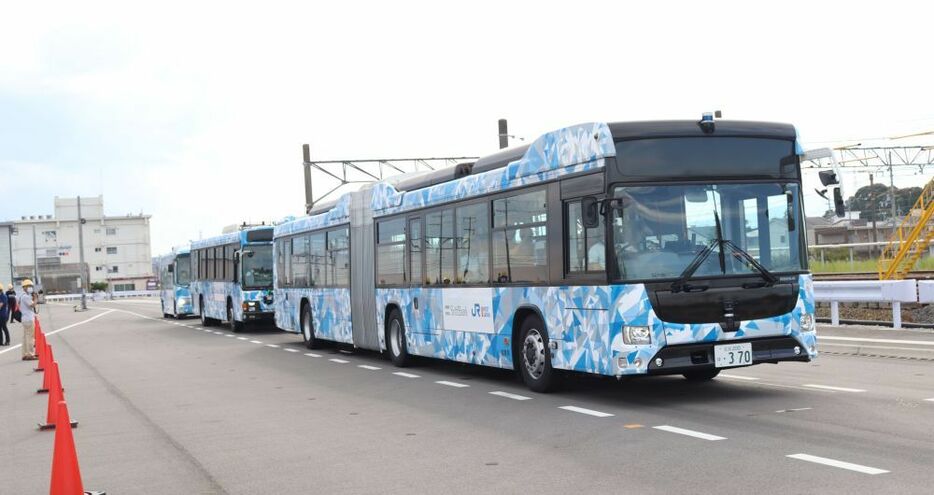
(232, 277)
(175, 275)
(620, 249)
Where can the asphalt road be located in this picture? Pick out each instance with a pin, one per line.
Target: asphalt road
(168, 407)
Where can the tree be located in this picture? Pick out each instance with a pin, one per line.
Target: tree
(869, 201)
(906, 198)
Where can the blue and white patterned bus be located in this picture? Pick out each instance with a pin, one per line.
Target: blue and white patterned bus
(620, 249)
(232, 280)
(175, 276)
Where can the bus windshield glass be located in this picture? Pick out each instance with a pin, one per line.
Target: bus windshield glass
(659, 229)
(183, 270)
(257, 269)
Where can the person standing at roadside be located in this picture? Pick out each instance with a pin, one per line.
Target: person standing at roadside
(11, 296)
(27, 307)
(4, 309)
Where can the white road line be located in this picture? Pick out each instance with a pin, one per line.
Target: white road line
(311, 354)
(738, 377)
(290, 350)
(452, 384)
(508, 395)
(881, 347)
(589, 412)
(257, 341)
(368, 367)
(404, 374)
(930, 400)
(228, 335)
(878, 341)
(345, 351)
(218, 333)
(274, 346)
(839, 464)
(53, 332)
(794, 410)
(828, 387)
(690, 433)
(241, 338)
(339, 361)
(206, 330)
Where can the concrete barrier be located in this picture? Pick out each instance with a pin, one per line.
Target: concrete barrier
(891, 291)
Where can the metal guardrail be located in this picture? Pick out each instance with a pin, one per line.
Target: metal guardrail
(891, 291)
(103, 296)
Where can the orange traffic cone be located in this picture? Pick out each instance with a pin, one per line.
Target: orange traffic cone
(41, 351)
(66, 476)
(56, 395)
(46, 377)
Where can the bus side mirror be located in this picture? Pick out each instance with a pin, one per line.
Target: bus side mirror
(838, 205)
(590, 212)
(828, 177)
(171, 268)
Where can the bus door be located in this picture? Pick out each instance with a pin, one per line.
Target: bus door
(415, 313)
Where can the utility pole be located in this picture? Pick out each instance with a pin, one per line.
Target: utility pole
(892, 188)
(35, 257)
(875, 211)
(503, 134)
(84, 282)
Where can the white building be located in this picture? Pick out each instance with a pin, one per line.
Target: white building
(116, 248)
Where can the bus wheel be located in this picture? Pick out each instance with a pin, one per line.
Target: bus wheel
(395, 340)
(235, 326)
(534, 357)
(308, 329)
(205, 321)
(702, 375)
(164, 314)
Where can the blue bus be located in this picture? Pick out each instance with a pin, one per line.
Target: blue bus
(232, 277)
(175, 276)
(617, 249)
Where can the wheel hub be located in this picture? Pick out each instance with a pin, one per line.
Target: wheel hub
(533, 353)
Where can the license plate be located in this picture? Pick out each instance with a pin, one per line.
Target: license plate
(726, 356)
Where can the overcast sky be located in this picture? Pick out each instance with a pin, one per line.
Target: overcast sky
(196, 114)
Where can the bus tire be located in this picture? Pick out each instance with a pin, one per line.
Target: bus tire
(235, 326)
(164, 314)
(308, 328)
(702, 375)
(534, 357)
(395, 340)
(205, 321)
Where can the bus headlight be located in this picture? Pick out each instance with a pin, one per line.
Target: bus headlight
(637, 335)
(249, 306)
(183, 301)
(807, 322)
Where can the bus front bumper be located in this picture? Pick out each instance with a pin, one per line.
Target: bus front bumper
(258, 315)
(677, 359)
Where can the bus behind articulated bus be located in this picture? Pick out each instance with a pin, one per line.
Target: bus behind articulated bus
(175, 276)
(620, 249)
(232, 278)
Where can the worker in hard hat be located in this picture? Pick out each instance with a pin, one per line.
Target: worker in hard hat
(4, 309)
(28, 301)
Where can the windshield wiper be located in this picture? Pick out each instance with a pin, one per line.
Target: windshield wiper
(681, 283)
(769, 277)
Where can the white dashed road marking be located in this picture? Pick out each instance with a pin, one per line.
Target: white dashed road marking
(274, 346)
(228, 335)
(839, 464)
(311, 354)
(838, 389)
(738, 377)
(256, 341)
(510, 396)
(368, 367)
(241, 338)
(405, 375)
(690, 433)
(794, 410)
(339, 361)
(452, 384)
(589, 412)
(290, 350)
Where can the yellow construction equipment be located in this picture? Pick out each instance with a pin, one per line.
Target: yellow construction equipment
(910, 239)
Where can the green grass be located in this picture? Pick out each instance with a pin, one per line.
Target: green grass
(842, 266)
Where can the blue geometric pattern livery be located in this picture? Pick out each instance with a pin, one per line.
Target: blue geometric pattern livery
(215, 299)
(584, 321)
(566, 151)
(330, 312)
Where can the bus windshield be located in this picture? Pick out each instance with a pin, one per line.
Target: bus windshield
(659, 229)
(257, 269)
(183, 270)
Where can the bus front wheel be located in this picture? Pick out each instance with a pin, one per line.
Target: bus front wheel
(235, 326)
(395, 340)
(164, 314)
(205, 321)
(534, 357)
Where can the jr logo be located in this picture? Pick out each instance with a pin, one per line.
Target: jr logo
(475, 311)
